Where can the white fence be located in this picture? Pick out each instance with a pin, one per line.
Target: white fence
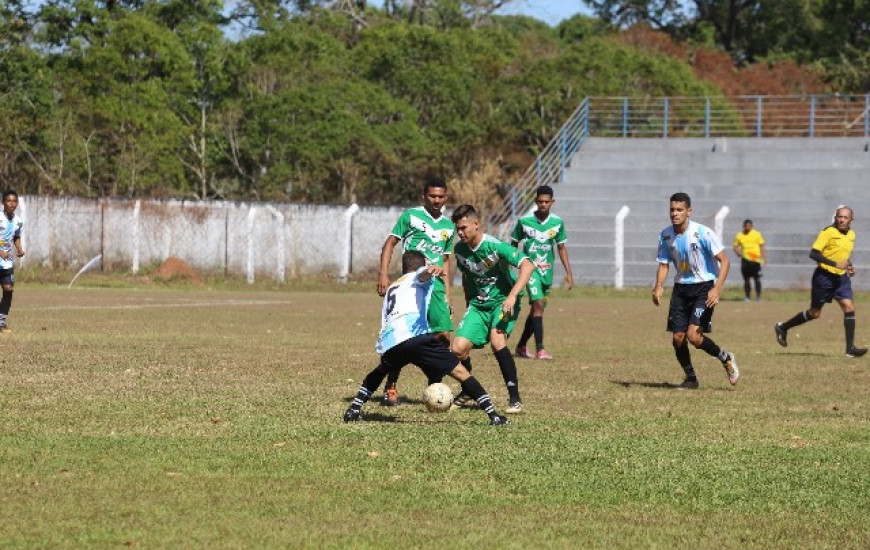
(272, 240)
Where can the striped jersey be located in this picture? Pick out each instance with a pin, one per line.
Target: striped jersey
(693, 252)
(403, 315)
(9, 231)
(419, 231)
(540, 238)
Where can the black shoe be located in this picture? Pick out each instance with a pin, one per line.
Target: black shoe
(689, 384)
(780, 334)
(855, 352)
(463, 401)
(499, 420)
(351, 415)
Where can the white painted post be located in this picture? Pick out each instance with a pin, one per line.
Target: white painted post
(22, 213)
(136, 244)
(719, 226)
(279, 238)
(619, 247)
(347, 251)
(249, 264)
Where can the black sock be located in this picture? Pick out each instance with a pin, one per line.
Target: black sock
(473, 388)
(368, 386)
(710, 347)
(747, 288)
(5, 303)
(758, 288)
(685, 360)
(538, 326)
(849, 325)
(467, 363)
(509, 373)
(798, 319)
(528, 330)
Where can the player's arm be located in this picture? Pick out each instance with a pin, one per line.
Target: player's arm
(17, 242)
(526, 268)
(763, 250)
(447, 281)
(386, 255)
(563, 255)
(817, 256)
(716, 291)
(659, 288)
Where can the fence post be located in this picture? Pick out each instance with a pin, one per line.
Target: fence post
(867, 115)
(137, 208)
(619, 247)
(758, 129)
(666, 105)
(279, 238)
(249, 262)
(707, 118)
(625, 117)
(812, 116)
(347, 250)
(719, 224)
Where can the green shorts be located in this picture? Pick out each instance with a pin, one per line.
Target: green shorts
(477, 323)
(537, 289)
(439, 310)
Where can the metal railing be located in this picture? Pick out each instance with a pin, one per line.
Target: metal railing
(812, 116)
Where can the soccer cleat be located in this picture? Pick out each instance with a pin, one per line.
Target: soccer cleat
(499, 420)
(855, 352)
(731, 369)
(463, 401)
(781, 334)
(515, 408)
(543, 354)
(689, 384)
(522, 351)
(351, 415)
(391, 396)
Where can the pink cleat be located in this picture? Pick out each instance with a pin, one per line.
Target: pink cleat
(543, 354)
(522, 351)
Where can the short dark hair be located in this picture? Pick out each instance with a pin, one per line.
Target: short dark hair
(464, 211)
(10, 192)
(544, 190)
(412, 260)
(434, 181)
(748, 221)
(682, 197)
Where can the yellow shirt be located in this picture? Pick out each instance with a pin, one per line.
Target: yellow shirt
(750, 245)
(834, 246)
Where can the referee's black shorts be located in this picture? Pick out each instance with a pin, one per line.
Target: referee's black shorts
(750, 269)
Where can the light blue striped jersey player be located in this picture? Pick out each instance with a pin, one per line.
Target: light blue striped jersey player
(9, 231)
(403, 315)
(692, 252)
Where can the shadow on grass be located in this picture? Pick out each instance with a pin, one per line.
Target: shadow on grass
(800, 354)
(656, 385)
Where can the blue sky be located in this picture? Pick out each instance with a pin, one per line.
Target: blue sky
(549, 11)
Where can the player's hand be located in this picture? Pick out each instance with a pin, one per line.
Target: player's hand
(21, 253)
(843, 264)
(434, 270)
(657, 294)
(850, 270)
(712, 297)
(507, 307)
(383, 283)
(569, 282)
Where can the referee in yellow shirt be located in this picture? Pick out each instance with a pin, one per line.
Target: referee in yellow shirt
(831, 280)
(749, 247)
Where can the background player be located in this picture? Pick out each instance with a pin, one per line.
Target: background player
(491, 294)
(749, 247)
(406, 337)
(702, 266)
(426, 230)
(10, 236)
(831, 280)
(542, 233)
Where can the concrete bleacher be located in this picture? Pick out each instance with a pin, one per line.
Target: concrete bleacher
(788, 187)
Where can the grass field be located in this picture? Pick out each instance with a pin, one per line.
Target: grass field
(190, 418)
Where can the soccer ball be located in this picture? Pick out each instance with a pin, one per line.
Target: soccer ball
(438, 397)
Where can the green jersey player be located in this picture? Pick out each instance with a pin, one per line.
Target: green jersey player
(426, 230)
(491, 294)
(542, 233)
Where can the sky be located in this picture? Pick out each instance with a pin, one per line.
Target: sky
(548, 11)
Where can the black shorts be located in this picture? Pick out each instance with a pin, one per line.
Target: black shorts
(828, 286)
(427, 351)
(688, 307)
(750, 269)
(7, 276)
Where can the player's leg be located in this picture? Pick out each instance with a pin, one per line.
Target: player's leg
(756, 275)
(823, 290)
(700, 316)
(679, 310)
(471, 333)
(7, 280)
(500, 328)
(538, 307)
(843, 295)
(684, 358)
(522, 350)
(369, 384)
(746, 272)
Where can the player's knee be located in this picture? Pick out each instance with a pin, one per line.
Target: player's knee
(695, 338)
(679, 339)
(814, 313)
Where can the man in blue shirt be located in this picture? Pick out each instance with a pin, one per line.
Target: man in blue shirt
(702, 266)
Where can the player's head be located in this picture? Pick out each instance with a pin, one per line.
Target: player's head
(843, 218)
(412, 260)
(681, 208)
(747, 226)
(434, 195)
(467, 222)
(544, 199)
(10, 201)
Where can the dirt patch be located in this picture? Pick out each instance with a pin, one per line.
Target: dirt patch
(176, 269)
